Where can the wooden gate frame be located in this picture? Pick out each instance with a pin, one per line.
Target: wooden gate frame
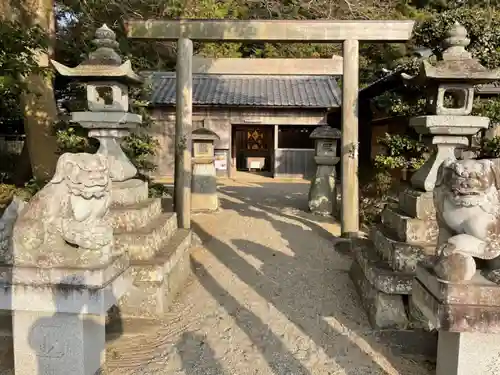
(349, 33)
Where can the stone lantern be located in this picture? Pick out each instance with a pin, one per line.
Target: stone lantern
(384, 270)
(204, 182)
(322, 193)
(107, 118)
(450, 90)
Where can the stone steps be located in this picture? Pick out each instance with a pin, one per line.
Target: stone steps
(127, 218)
(379, 274)
(143, 243)
(129, 192)
(157, 281)
(407, 228)
(402, 256)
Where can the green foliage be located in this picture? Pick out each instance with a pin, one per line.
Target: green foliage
(489, 148)
(377, 188)
(402, 152)
(487, 107)
(157, 190)
(482, 21)
(17, 60)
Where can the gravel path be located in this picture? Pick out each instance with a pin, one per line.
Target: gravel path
(269, 295)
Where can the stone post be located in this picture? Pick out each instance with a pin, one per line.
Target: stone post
(323, 192)
(204, 184)
(349, 140)
(183, 125)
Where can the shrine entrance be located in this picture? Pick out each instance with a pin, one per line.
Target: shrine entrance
(349, 33)
(252, 148)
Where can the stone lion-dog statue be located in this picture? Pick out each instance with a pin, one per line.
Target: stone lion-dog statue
(67, 219)
(467, 204)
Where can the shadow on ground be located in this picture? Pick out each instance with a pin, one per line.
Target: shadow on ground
(310, 287)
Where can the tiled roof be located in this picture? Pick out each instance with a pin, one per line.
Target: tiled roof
(251, 90)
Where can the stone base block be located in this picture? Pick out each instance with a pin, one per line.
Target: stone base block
(143, 243)
(417, 204)
(204, 202)
(384, 310)
(402, 256)
(472, 306)
(468, 353)
(322, 194)
(127, 218)
(157, 281)
(409, 229)
(58, 343)
(380, 275)
(129, 192)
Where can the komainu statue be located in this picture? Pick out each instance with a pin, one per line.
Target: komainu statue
(67, 221)
(467, 204)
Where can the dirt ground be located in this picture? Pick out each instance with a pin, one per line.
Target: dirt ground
(269, 295)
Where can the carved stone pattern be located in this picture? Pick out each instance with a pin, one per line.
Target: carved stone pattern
(68, 215)
(468, 214)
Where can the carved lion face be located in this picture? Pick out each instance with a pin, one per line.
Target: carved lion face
(86, 175)
(469, 180)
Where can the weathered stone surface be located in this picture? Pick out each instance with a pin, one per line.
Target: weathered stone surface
(158, 280)
(409, 229)
(91, 277)
(58, 344)
(65, 298)
(129, 192)
(401, 256)
(59, 327)
(443, 146)
(468, 353)
(204, 187)
(417, 204)
(322, 193)
(143, 243)
(468, 214)
(379, 273)
(71, 209)
(456, 317)
(7, 221)
(384, 311)
(133, 216)
(477, 291)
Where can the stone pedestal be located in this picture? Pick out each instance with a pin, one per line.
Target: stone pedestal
(58, 315)
(204, 177)
(204, 186)
(406, 235)
(467, 316)
(322, 193)
(109, 128)
(408, 230)
(158, 250)
(468, 353)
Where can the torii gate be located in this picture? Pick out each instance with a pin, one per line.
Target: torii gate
(350, 33)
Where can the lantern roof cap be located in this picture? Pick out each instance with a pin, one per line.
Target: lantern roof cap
(102, 64)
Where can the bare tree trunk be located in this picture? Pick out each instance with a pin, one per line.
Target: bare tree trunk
(39, 106)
